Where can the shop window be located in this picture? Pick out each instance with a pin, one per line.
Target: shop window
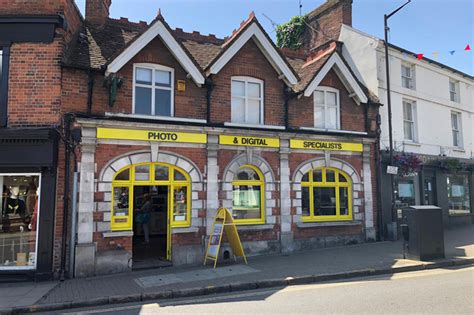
(456, 128)
(405, 193)
(19, 204)
(247, 100)
(248, 196)
(458, 194)
(326, 108)
(168, 188)
(153, 90)
(326, 195)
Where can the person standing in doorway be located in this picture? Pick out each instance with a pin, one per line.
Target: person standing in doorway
(144, 213)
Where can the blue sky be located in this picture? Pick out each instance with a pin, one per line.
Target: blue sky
(423, 26)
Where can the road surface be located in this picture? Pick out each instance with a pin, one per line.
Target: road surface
(440, 291)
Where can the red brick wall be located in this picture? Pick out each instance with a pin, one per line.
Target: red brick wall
(249, 61)
(327, 19)
(301, 111)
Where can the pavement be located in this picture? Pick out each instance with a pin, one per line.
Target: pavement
(261, 272)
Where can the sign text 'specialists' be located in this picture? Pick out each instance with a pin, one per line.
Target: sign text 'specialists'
(150, 135)
(325, 145)
(250, 141)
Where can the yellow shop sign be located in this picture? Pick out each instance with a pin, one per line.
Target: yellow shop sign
(325, 145)
(250, 141)
(150, 135)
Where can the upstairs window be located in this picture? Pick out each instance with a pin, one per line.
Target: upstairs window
(326, 108)
(409, 120)
(247, 100)
(456, 128)
(408, 76)
(153, 90)
(454, 91)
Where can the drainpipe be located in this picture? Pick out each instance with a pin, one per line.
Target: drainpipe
(209, 88)
(73, 219)
(67, 153)
(90, 89)
(378, 180)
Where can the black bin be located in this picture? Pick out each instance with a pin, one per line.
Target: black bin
(425, 232)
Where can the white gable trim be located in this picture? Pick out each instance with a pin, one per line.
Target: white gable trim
(157, 29)
(344, 75)
(264, 44)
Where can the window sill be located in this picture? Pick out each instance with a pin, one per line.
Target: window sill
(361, 133)
(149, 117)
(117, 234)
(230, 124)
(181, 230)
(255, 227)
(412, 143)
(327, 224)
(459, 149)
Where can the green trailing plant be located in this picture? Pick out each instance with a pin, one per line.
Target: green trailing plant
(451, 165)
(289, 34)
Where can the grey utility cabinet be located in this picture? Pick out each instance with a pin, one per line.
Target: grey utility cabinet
(425, 232)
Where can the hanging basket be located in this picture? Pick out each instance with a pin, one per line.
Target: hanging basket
(408, 164)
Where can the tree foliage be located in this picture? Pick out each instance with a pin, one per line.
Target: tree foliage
(289, 34)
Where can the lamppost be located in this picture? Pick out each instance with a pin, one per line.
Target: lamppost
(389, 108)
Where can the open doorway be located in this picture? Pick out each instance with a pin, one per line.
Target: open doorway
(150, 226)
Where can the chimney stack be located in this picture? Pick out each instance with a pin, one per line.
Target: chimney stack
(97, 11)
(326, 20)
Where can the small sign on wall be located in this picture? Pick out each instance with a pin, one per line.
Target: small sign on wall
(392, 170)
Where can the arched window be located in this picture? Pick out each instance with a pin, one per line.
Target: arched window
(248, 206)
(173, 181)
(326, 195)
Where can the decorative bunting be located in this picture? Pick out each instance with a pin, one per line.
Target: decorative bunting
(435, 54)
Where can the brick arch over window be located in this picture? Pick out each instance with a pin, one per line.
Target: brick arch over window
(268, 177)
(109, 170)
(306, 166)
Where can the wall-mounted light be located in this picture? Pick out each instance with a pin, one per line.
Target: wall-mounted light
(181, 86)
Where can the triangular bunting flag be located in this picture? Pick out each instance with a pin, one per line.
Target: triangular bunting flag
(467, 47)
(419, 56)
(452, 52)
(435, 55)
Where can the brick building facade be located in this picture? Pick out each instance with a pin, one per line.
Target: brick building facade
(175, 125)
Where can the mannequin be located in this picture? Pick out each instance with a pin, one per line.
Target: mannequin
(14, 207)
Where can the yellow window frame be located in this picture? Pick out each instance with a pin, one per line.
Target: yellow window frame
(336, 185)
(259, 183)
(125, 223)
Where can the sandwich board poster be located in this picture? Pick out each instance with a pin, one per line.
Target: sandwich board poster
(223, 222)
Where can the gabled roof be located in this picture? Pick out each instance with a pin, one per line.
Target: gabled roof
(99, 47)
(313, 68)
(157, 28)
(251, 29)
